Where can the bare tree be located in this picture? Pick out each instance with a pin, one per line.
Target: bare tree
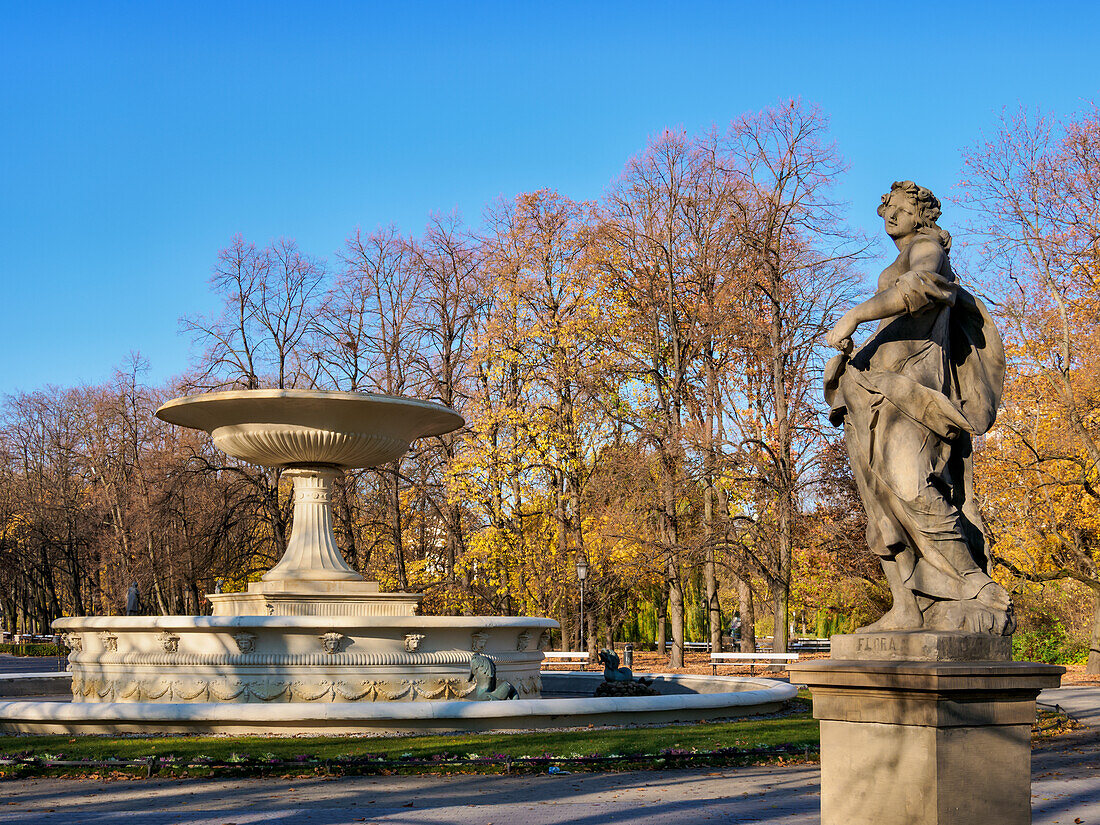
(799, 253)
(371, 323)
(648, 268)
(448, 259)
(269, 298)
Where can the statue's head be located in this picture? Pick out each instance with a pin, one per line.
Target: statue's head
(909, 208)
(481, 667)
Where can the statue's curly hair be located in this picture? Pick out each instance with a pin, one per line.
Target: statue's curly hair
(928, 209)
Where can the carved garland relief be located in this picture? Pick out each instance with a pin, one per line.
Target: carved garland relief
(272, 690)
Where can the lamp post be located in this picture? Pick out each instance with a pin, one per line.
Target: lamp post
(582, 574)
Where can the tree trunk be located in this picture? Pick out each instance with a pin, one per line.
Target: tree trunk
(784, 471)
(748, 616)
(714, 612)
(714, 609)
(1093, 664)
(676, 613)
(396, 527)
(454, 527)
(591, 619)
(7, 614)
(565, 619)
(158, 591)
(781, 614)
(662, 621)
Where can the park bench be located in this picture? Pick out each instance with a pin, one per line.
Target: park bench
(751, 659)
(690, 645)
(564, 657)
(810, 645)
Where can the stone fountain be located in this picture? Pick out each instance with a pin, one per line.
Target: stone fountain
(312, 629)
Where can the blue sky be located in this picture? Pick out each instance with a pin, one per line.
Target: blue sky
(137, 139)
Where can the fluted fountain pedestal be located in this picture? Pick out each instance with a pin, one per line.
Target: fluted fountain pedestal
(312, 579)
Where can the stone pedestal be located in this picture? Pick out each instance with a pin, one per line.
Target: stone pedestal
(287, 597)
(312, 579)
(933, 742)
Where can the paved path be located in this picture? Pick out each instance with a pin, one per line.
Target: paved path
(1081, 702)
(30, 664)
(786, 796)
(1066, 788)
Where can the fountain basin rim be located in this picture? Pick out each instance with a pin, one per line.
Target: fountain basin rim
(211, 410)
(327, 711)
(282, 718)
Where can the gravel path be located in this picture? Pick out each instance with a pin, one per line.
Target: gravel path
(1082, 702)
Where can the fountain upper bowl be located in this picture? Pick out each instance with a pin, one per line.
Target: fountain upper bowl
(286, 428)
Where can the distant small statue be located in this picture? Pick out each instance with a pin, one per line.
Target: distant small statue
(133, 600)
(217, 585)
(613, 673)
(620, 681)
(483, 671)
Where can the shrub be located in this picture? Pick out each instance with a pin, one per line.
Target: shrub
(1049, 643)
(31, 649)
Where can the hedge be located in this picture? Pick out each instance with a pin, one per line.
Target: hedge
(42, 649)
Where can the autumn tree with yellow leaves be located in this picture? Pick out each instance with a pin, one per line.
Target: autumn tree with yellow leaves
(1034, 188)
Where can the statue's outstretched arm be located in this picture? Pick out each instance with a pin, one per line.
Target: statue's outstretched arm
(883, 304)
(913, 290)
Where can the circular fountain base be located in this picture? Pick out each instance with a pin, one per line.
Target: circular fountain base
(683, 698)
(296, 659)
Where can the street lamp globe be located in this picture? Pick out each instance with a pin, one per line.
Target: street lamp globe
(582, 568)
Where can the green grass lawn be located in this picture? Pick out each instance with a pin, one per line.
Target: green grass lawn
(792, 736)
(795, 731)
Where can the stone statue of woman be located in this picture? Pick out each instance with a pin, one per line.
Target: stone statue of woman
(133, 600)
(911, 400)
